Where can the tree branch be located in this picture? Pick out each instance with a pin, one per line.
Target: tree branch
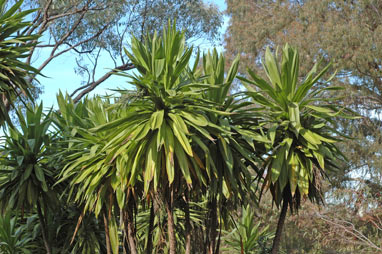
(71, 47)
(91, 86)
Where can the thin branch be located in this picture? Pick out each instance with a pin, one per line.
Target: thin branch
(95, 65)
(91, 86)
(70, 32)
(85, 69)
(62, 15)
(352, 231)
(43, 24)
(72, 47)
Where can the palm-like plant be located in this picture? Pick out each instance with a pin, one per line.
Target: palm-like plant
(248, 237)
(164, 123)
(27, 175)
(91, 171)
(300, 121)
(13, 237)
(14, 45)
(232, 178)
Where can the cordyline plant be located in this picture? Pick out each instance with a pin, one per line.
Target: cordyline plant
(248, 237)
(15, 75)
(300, 119)
(92, 172)
(167, 129)
(156, 135)
(27, 174)
(233, 153)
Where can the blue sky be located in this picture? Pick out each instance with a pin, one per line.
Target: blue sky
(61, 75)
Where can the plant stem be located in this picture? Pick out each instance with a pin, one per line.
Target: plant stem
(43, 229)
(107, 236)
(130, 229)
(149, 248)
(213, 224)
(280, 225)
(125, 246)
(187, 226)
(170, 224)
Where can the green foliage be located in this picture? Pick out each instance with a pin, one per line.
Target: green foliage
(14, 46)
(300, 124)
(62, 225)
(15, 238)
(92, 172)
(180, 142)
(88, 166)
(248, 237)
(161, 126)
(240, 124)
(126, 17)
(27, 175)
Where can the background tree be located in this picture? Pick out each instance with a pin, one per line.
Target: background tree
(95, 29)
(347, 33)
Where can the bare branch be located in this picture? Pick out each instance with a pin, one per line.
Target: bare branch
(50, 58)
(350, 228)
(91, 86)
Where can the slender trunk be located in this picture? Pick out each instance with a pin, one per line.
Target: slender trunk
(125, 246)
(149, 248)
(170, 225)
(107, 235)
(213, 226)
(43, 229)
(187, 226)
(130, 229)
(280, 225)
(217, 248)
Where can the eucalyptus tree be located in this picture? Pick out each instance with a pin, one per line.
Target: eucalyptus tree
(28, 175)
(300, 117)
(92, 30)
(14, 46)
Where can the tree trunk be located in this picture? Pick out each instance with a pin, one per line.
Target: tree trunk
(130, 229)
(280, 225)
(107, 235)
(43, 229)
(149, 248)
(187, 226)
(170, 225)
(213, 225)
(125, 245)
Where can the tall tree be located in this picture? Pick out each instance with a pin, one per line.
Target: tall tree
(101, 28)
(91, 170)
(182, 129)
(302, 130)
